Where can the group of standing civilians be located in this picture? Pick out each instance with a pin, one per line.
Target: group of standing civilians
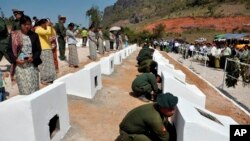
(31, 49)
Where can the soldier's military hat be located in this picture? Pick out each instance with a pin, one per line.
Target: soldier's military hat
(17, 11)
(167, 100)
(62, 17)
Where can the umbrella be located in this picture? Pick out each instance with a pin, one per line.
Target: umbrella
(115, 28)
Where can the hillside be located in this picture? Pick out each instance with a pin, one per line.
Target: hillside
(180, 16)
(136, 11)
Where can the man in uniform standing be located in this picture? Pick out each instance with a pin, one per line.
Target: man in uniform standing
(4, 39)
(149, 122)
(18, 14)
(61, 33)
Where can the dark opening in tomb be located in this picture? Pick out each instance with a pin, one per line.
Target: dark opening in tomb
(96, 82)
(54, 126)
(111, 64)
(208, 116)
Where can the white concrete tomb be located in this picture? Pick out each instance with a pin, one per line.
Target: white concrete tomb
(85, 82)
(164, 66)
(181, 89)
(40, 116)
(124, 53)
(118, 58)
(198, 124)
(128, 51)
(107, 64)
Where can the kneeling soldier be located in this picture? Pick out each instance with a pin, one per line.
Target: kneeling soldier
(149, 122)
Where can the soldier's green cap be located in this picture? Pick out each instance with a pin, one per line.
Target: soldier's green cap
(167, 100)
(62, 17)
(17, 11)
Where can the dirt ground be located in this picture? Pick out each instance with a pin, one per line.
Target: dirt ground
(98, 119)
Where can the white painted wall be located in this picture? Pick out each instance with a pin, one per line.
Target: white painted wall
(129, 48)
(182, 89)
(26, 118)
(134, 47)
(192, 126)
(82, 82)
(128, 52)
(164, 66)
(107, 64)
(118, 58)
(157, 55)
(124, 54)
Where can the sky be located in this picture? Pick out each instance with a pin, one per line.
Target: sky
(74, 10)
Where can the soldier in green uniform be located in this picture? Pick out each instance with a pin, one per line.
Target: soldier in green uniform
(145, 86)
(4, 40)
(148, 65)
(18, 14)
(149, 122)
(61, 33)
(145, 53)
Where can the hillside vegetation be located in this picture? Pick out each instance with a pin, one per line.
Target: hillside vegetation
(181, 17)
(136, 11)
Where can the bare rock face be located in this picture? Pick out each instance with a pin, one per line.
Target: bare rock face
(133, 10)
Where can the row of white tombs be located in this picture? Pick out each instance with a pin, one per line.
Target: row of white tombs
(44, 116)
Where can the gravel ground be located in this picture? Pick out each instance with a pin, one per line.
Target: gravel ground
(239, 94)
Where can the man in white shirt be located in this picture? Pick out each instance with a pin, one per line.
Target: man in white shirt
(191, 48)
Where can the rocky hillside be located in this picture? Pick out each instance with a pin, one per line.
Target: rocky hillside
(146, 11)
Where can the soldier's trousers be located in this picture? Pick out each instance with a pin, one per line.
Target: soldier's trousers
(61, 43)
(132, 137)
(84, 41)
(143, 90)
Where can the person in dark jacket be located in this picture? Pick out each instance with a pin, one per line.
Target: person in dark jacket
(149, 122)
(24, 51)
(4, 39)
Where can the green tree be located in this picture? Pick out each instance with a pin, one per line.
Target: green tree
(95, 15)
(159, 30)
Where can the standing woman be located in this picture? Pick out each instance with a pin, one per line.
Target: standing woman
(73, 55)
(53, 40)
(100, 41)
(112, 40)
(47, 68)
(92, 43)
(120, 40)
(24, 51)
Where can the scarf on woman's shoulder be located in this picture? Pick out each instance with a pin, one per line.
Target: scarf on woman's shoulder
(17, 44)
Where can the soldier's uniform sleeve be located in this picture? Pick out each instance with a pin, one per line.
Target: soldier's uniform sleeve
(159, 129)
(152, 81)
(62, 30)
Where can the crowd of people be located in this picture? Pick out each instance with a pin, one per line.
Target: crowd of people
(31, 48)
(214, 53)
